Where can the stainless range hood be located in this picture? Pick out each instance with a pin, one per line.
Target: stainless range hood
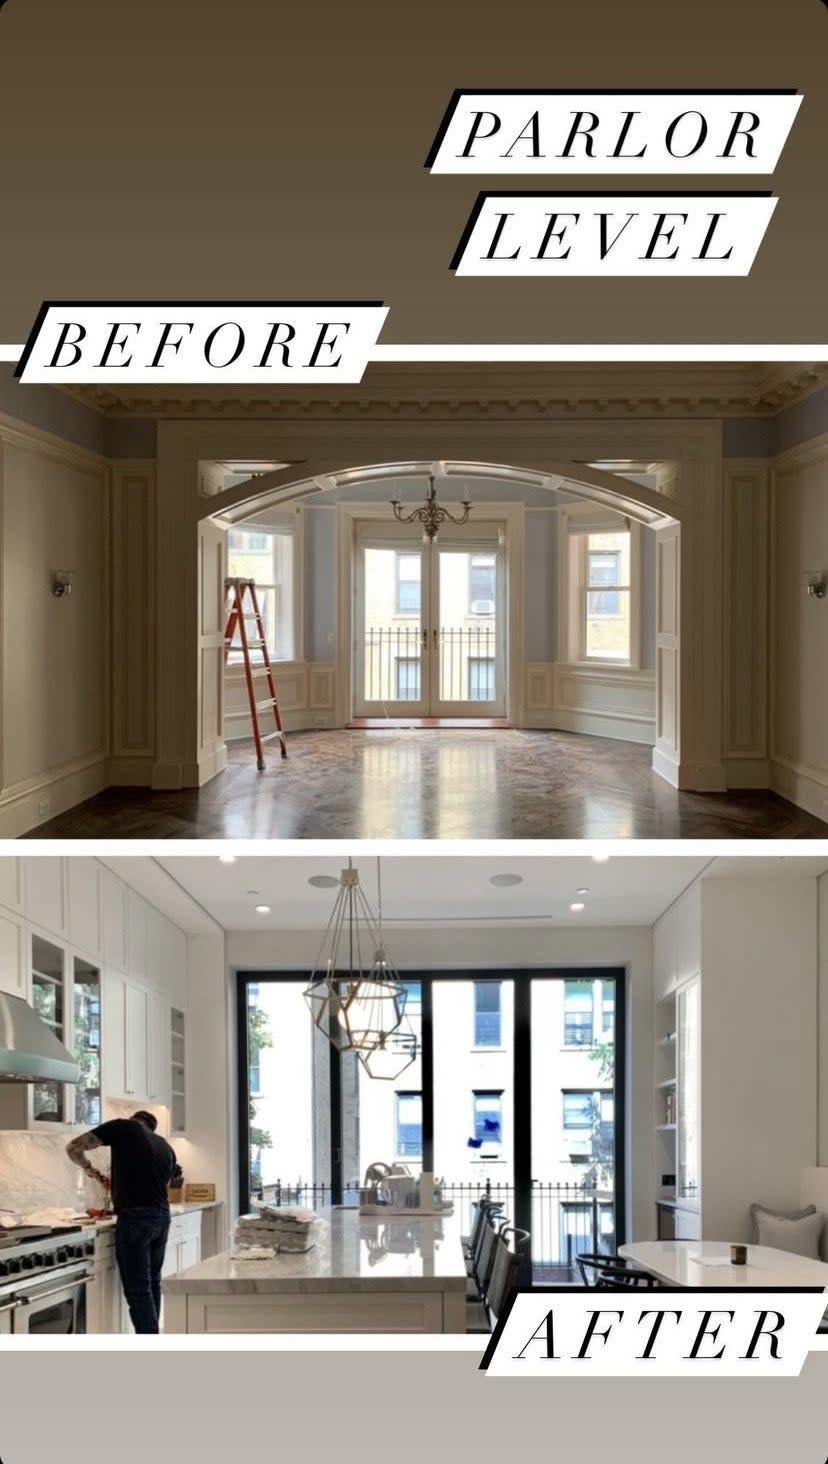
(29, 1050)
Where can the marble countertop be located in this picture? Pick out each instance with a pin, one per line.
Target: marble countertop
(354, 1253)
(688, 1263)
(182, 1209)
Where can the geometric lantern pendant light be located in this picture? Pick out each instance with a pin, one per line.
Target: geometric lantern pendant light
(394, 1054)
(356, 1002)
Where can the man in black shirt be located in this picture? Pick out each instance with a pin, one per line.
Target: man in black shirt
(142, 1166)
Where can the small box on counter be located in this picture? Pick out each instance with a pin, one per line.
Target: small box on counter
(199, 1194)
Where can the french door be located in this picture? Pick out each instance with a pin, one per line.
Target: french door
(516, 1090)
(429, 622)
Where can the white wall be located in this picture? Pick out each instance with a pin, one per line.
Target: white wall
(53, 509)
(759, 1046)
(486, 946)
(822, 1076)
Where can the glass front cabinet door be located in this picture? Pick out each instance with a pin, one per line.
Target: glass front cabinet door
(66, 994)
(688, 1020)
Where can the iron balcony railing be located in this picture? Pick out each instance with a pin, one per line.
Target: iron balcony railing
(567, 1219)
(395, 657)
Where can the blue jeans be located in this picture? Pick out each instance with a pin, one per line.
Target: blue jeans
(140, 1243)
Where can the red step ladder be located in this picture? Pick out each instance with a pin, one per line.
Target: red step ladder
(238, 613)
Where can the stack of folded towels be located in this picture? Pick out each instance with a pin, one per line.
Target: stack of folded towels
(272, 1229)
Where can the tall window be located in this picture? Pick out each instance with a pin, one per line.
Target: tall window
(409, 574)
(487, 1107)
(482, 572)
(487, 1015)
(578, 1014)
(267, 555)
(605, 597)
(481, 678)
(410, 1125)
(407, 671)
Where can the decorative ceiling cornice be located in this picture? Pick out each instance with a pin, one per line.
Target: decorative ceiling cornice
(717, 389)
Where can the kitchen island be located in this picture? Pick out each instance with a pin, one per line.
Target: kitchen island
(365, 1274)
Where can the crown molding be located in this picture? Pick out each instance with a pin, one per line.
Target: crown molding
(717, 389)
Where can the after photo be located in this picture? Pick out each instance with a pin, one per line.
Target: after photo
(344, 1095)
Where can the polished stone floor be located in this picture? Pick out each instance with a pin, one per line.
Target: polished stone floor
(436, 785)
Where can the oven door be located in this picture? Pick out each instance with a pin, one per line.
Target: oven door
(8, 1307)
(53, 1305)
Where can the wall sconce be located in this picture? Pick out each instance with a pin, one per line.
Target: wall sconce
(62, 581)
(816, 584)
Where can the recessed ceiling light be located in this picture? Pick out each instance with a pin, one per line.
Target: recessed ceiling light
(578, 905)
(227, 858)
(262, 909)
(582, 891)
(600, 858)
(323, 881)
(503, 881)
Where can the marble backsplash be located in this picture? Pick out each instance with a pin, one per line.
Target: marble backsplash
(36, 1173)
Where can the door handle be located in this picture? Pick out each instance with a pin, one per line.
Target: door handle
(425, 638)
(435, 633)
(70, 1281)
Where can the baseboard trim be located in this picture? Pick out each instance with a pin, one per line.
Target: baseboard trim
(130, 772)
(702, 777)
(666, 766)
(617, 725)
(804, 786)
(22, 810)
(306, 720)
(747, 772)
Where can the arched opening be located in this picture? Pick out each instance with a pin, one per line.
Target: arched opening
(544, 611)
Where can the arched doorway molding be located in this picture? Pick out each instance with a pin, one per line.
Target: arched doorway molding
(685, 509)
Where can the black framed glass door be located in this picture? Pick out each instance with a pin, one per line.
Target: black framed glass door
(517, 1090)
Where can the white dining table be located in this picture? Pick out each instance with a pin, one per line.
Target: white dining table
(706, 1263)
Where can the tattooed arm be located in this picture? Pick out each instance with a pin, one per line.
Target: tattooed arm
(76, 1149)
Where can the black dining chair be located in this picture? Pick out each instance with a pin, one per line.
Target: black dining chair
(613, 1273)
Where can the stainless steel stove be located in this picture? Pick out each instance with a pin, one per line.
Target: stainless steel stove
(44, 1273)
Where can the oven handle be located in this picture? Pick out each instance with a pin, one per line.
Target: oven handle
(68, 1284)
(9, 1306)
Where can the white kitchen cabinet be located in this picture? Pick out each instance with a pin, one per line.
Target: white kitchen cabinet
(104, 1296)
(178, 1067)
(13, 963)
(177, 966)
(47, 1105)
(158, 1065)
(113, 1035)
(136, 936)
(136, 1076)
(46, 894)
(86, 1097)
(85, 923)
(114, 908)
(12, 884)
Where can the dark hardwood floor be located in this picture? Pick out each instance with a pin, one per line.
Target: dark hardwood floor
(436, 785)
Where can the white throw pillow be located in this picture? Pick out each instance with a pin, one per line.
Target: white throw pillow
(798, 1237)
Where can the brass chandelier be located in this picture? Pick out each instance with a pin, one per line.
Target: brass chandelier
(358, 1002)
(431, 514)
